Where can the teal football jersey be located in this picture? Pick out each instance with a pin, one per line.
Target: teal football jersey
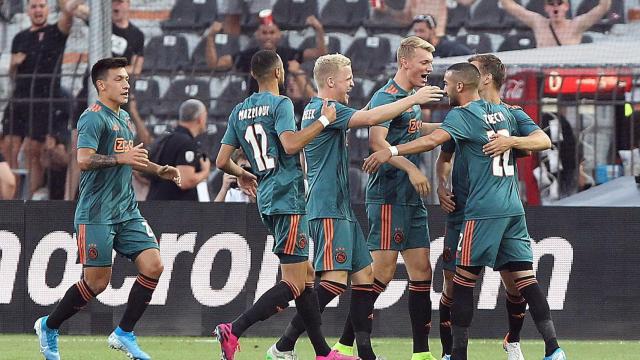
(106, 195)
(459, 178)
(492, 181)
(255, 125)
(327, 161)
(389, 185)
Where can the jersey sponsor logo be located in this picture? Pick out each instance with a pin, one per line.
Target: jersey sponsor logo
(398, 236)
(414, 126)
(93, 251)
(253, 112)
(122, 145)
(341, 256)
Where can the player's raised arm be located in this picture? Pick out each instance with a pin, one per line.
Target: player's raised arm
(380, 114)
(425, 143)
(521, 13)
(585, 21)
(293, 142)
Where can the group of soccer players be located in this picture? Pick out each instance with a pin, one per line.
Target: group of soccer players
(481, 136)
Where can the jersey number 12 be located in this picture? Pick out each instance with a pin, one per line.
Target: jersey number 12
(263, 160)
(501, 165)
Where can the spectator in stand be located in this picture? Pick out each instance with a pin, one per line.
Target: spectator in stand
(414, 8)
(7, 180)
(556, 30)
(180, 148)
(233, 11)
(55, 159)
(35, 66)
(425, 27)
(229, 191)
(267, 37)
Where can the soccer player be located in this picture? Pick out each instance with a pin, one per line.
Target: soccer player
(493, 74)
(397, 215)
(107, 216)
(263, 125)
(494, 232)
(339, 243)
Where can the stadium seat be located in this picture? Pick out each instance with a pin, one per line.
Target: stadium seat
(385, 22)
(166, 53)
(457, 16)
(479, 43)
(292, 14)
(147, 95)
(225, 45)
(191, 15)
(614, 16)
(181, 90)
(344, 14)
(332, 43)
(519, 41)
(227, 92)
(487, 15)
(369, 55)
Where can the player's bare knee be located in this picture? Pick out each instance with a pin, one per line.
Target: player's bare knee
(154, 270)
(98, 284)
(364, 276)
(509, 284)
(383, 272)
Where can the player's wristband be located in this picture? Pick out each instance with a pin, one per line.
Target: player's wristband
(324, 121)
(394, 150)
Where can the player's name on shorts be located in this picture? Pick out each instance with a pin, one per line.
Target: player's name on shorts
(253, 112)
(309, 114)
(494, 118)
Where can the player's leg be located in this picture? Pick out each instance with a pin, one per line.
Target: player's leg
(135, 240)
(96, 274)
(516, 310)
(33, 152)
(451, 237)
(416, 253)
(478, 247)
(333, 267)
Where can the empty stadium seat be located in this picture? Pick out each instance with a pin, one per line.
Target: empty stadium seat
(519, 41)
(147, 95)
(331, 42)
(386, 22)
(479, 43)
(194, 15)
(292, 14)
(344, 14)
(615, 15)
(181, 90)
(369, 55)
(166, 53)
(227, 93)
(457, 16)
(225, 45)
(487, 15)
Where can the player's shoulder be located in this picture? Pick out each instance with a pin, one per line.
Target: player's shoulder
(511, 107)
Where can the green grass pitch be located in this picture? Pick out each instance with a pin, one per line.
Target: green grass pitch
(23, 347)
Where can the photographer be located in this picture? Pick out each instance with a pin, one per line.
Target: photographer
(179, 148)
(229, 191)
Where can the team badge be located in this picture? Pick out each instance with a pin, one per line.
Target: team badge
(341, 257)
(93, 251)
(398, 236)
(447, 256)
(302, 241)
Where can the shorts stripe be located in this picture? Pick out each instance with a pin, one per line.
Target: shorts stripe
(467, 243)
(293, 234)
(328, 245)
(385, 236)
(81, 243)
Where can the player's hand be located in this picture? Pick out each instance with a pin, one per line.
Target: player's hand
(329, 111)
(170, 173)
(497, 145)
(314, 22)
(136, 156)
(248, 183)
(375, 160)
(427, 94)
(446, 199)
(419, 182)
(215, 28)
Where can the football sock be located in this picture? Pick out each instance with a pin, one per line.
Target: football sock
(348, 336)
(74, 300)
(309, 311)
(445, 324)
(273, 301)
(461, 315)
(420, 313)
(139, 298)
(516, 310)
(361, 310)
(326, 291)
(539, 309)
